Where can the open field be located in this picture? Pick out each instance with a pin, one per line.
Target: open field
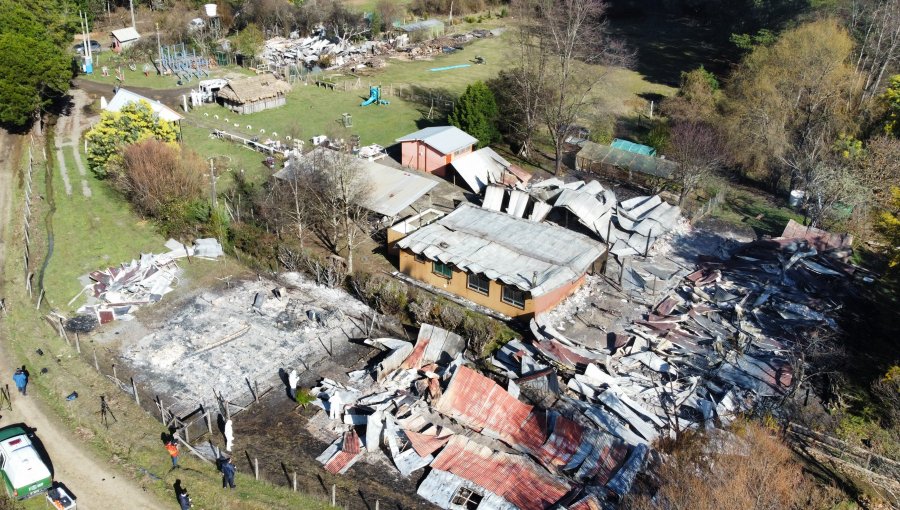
(312, 111)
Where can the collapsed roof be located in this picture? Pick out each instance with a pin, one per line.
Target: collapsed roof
(535, 257)
(485, 166)
(390, 190)
(434, 411)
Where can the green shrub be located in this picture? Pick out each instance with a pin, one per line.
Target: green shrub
(304, 398)
(471, 19)
(254, 242)
(503, 12)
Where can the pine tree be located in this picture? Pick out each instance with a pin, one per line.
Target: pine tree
(476, 113)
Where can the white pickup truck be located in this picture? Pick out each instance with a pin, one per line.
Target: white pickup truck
(24, 472)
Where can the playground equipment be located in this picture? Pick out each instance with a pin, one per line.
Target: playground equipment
(447, 68)
(374, 96)
(177, 60)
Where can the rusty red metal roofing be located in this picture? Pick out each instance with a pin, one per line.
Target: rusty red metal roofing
(821, 240)
(415, 357)
(351, 442)
(482, 405)
(562, 443)
(589, 502)
(666, 306)
(425, 444)
(339, 462)
(560, 353)
(513, 477)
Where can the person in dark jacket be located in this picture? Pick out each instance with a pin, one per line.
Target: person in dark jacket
(228, 468)
(183, 499)
(21, 380)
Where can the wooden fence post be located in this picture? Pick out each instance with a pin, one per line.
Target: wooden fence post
(96, 363)
(77, 343)
(115, 375)
(295, 481)
(134, 388)
(256, 468)
(333, 495)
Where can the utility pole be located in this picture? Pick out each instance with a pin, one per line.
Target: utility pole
(212, 183)
(131, 6)
(158, 45)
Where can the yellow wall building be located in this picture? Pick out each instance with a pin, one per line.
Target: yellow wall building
(513, 266)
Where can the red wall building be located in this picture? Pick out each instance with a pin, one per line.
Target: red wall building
(432, 149)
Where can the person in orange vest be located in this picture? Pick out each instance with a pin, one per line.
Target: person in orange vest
(173, 451)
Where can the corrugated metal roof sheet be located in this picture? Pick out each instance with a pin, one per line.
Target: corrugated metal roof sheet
(126, 34)
(514, 478)
(482, 405)
(484, 167)
(535, 257)
(425, 444)
(439, 487)
(390, 190)
(445, 139)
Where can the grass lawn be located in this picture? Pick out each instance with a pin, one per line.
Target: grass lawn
(90, 233)
(312, 111)
(760, 212)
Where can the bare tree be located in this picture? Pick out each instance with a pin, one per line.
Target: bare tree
(876, 27)
(699, 151)
(573, 35)
(345, 25)
(334, 188)
(831, 183)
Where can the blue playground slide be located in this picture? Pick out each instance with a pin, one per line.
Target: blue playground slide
(374, 97)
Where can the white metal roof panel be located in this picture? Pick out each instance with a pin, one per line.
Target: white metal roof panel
(124, 97)
(393, 190)
(126, 34)
(480, 168)
(493, 198)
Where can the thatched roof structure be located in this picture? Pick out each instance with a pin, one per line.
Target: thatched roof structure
(254, 88)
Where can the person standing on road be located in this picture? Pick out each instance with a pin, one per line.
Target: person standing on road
(21, 380)
(173, 452)
(228, 472)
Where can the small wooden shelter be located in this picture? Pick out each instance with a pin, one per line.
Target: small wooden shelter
(254, 94)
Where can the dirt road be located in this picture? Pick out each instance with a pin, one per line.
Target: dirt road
(95, 484)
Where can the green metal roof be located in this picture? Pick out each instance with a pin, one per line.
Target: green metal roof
(649, 165)
(636, 148)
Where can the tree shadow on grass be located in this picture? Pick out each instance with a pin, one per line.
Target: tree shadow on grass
(667, 45)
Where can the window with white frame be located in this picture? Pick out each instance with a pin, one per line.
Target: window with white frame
(466, 498)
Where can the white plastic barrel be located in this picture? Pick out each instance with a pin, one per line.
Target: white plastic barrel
(210, 10)
(796, 198)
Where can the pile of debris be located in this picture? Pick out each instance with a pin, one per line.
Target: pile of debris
(308, 51)
(114, 293)
(422, 406)
(630, 227)
(722, 342)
